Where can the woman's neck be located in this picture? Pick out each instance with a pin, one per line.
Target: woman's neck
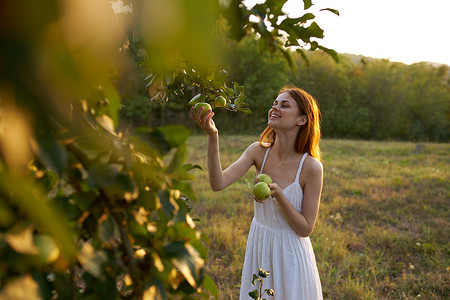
(284, 146)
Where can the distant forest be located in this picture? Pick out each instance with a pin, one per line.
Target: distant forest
(359, 97)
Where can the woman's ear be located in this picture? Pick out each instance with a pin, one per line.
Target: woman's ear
(302, 120)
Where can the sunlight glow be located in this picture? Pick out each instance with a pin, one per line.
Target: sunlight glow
(406, 31)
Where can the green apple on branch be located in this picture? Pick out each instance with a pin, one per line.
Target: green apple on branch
(220, 101)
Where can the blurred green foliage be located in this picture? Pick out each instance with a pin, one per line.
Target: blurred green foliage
(91, 207)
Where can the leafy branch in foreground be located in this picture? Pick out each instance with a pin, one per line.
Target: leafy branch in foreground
(111, 205)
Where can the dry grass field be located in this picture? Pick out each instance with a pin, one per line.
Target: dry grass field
(383, 225)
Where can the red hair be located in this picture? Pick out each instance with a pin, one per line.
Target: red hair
(308, 136)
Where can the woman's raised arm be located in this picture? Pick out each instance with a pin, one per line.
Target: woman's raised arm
(220, 179)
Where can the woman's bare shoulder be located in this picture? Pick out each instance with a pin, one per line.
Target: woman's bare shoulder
(313, 165)
(312, 172)
(255, 150)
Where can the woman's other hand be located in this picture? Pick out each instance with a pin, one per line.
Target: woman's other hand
(206, 122)
(275, 190)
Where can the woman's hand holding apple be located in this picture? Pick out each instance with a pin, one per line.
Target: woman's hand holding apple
(275, 190)
(204, 119)
(264, 187)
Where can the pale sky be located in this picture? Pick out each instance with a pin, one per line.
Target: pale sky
(407, 31)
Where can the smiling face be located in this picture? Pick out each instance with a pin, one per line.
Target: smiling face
(285, 113)
(294, 111)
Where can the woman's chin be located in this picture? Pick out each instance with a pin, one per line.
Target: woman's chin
(271, 124)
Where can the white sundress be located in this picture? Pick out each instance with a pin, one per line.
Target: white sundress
(274, 246)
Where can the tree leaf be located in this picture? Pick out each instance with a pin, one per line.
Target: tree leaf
(189, 167)
(314, 46)
(20, 238)
(263, 273)
(92, 260)
(106, 228)
(288, 57)
(34, 204)
(185, 188)
(255, 277)
(302, 53)
(155, 290)
(307, 4)
(178, 158)
(334, 11)
(291, 41)
(53, 155)
(186, 259)
(20, 288)
(254, 294)
(174, 135)
(245, 110)
(170, 208)
(259, 10)
(294, 21)
(107, 123)
(114, 101)
(240, 100)
(275, 5)
(314, 30)
(151, 137)
(210, 285)
(270, 292)
(200, 247)
(331, 52)
(102, 175)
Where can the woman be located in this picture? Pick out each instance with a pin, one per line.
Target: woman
(288, 151)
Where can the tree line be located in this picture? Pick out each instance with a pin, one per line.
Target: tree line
(360, 97)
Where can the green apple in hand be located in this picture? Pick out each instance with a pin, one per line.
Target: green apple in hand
(264, 178)
(205, 106)
(261, 190)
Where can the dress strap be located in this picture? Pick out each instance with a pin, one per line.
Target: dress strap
(264, 160)
(297, 177)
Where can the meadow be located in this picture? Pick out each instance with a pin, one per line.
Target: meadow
(383, 225)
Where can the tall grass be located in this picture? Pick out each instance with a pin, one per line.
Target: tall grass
(383, 225)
